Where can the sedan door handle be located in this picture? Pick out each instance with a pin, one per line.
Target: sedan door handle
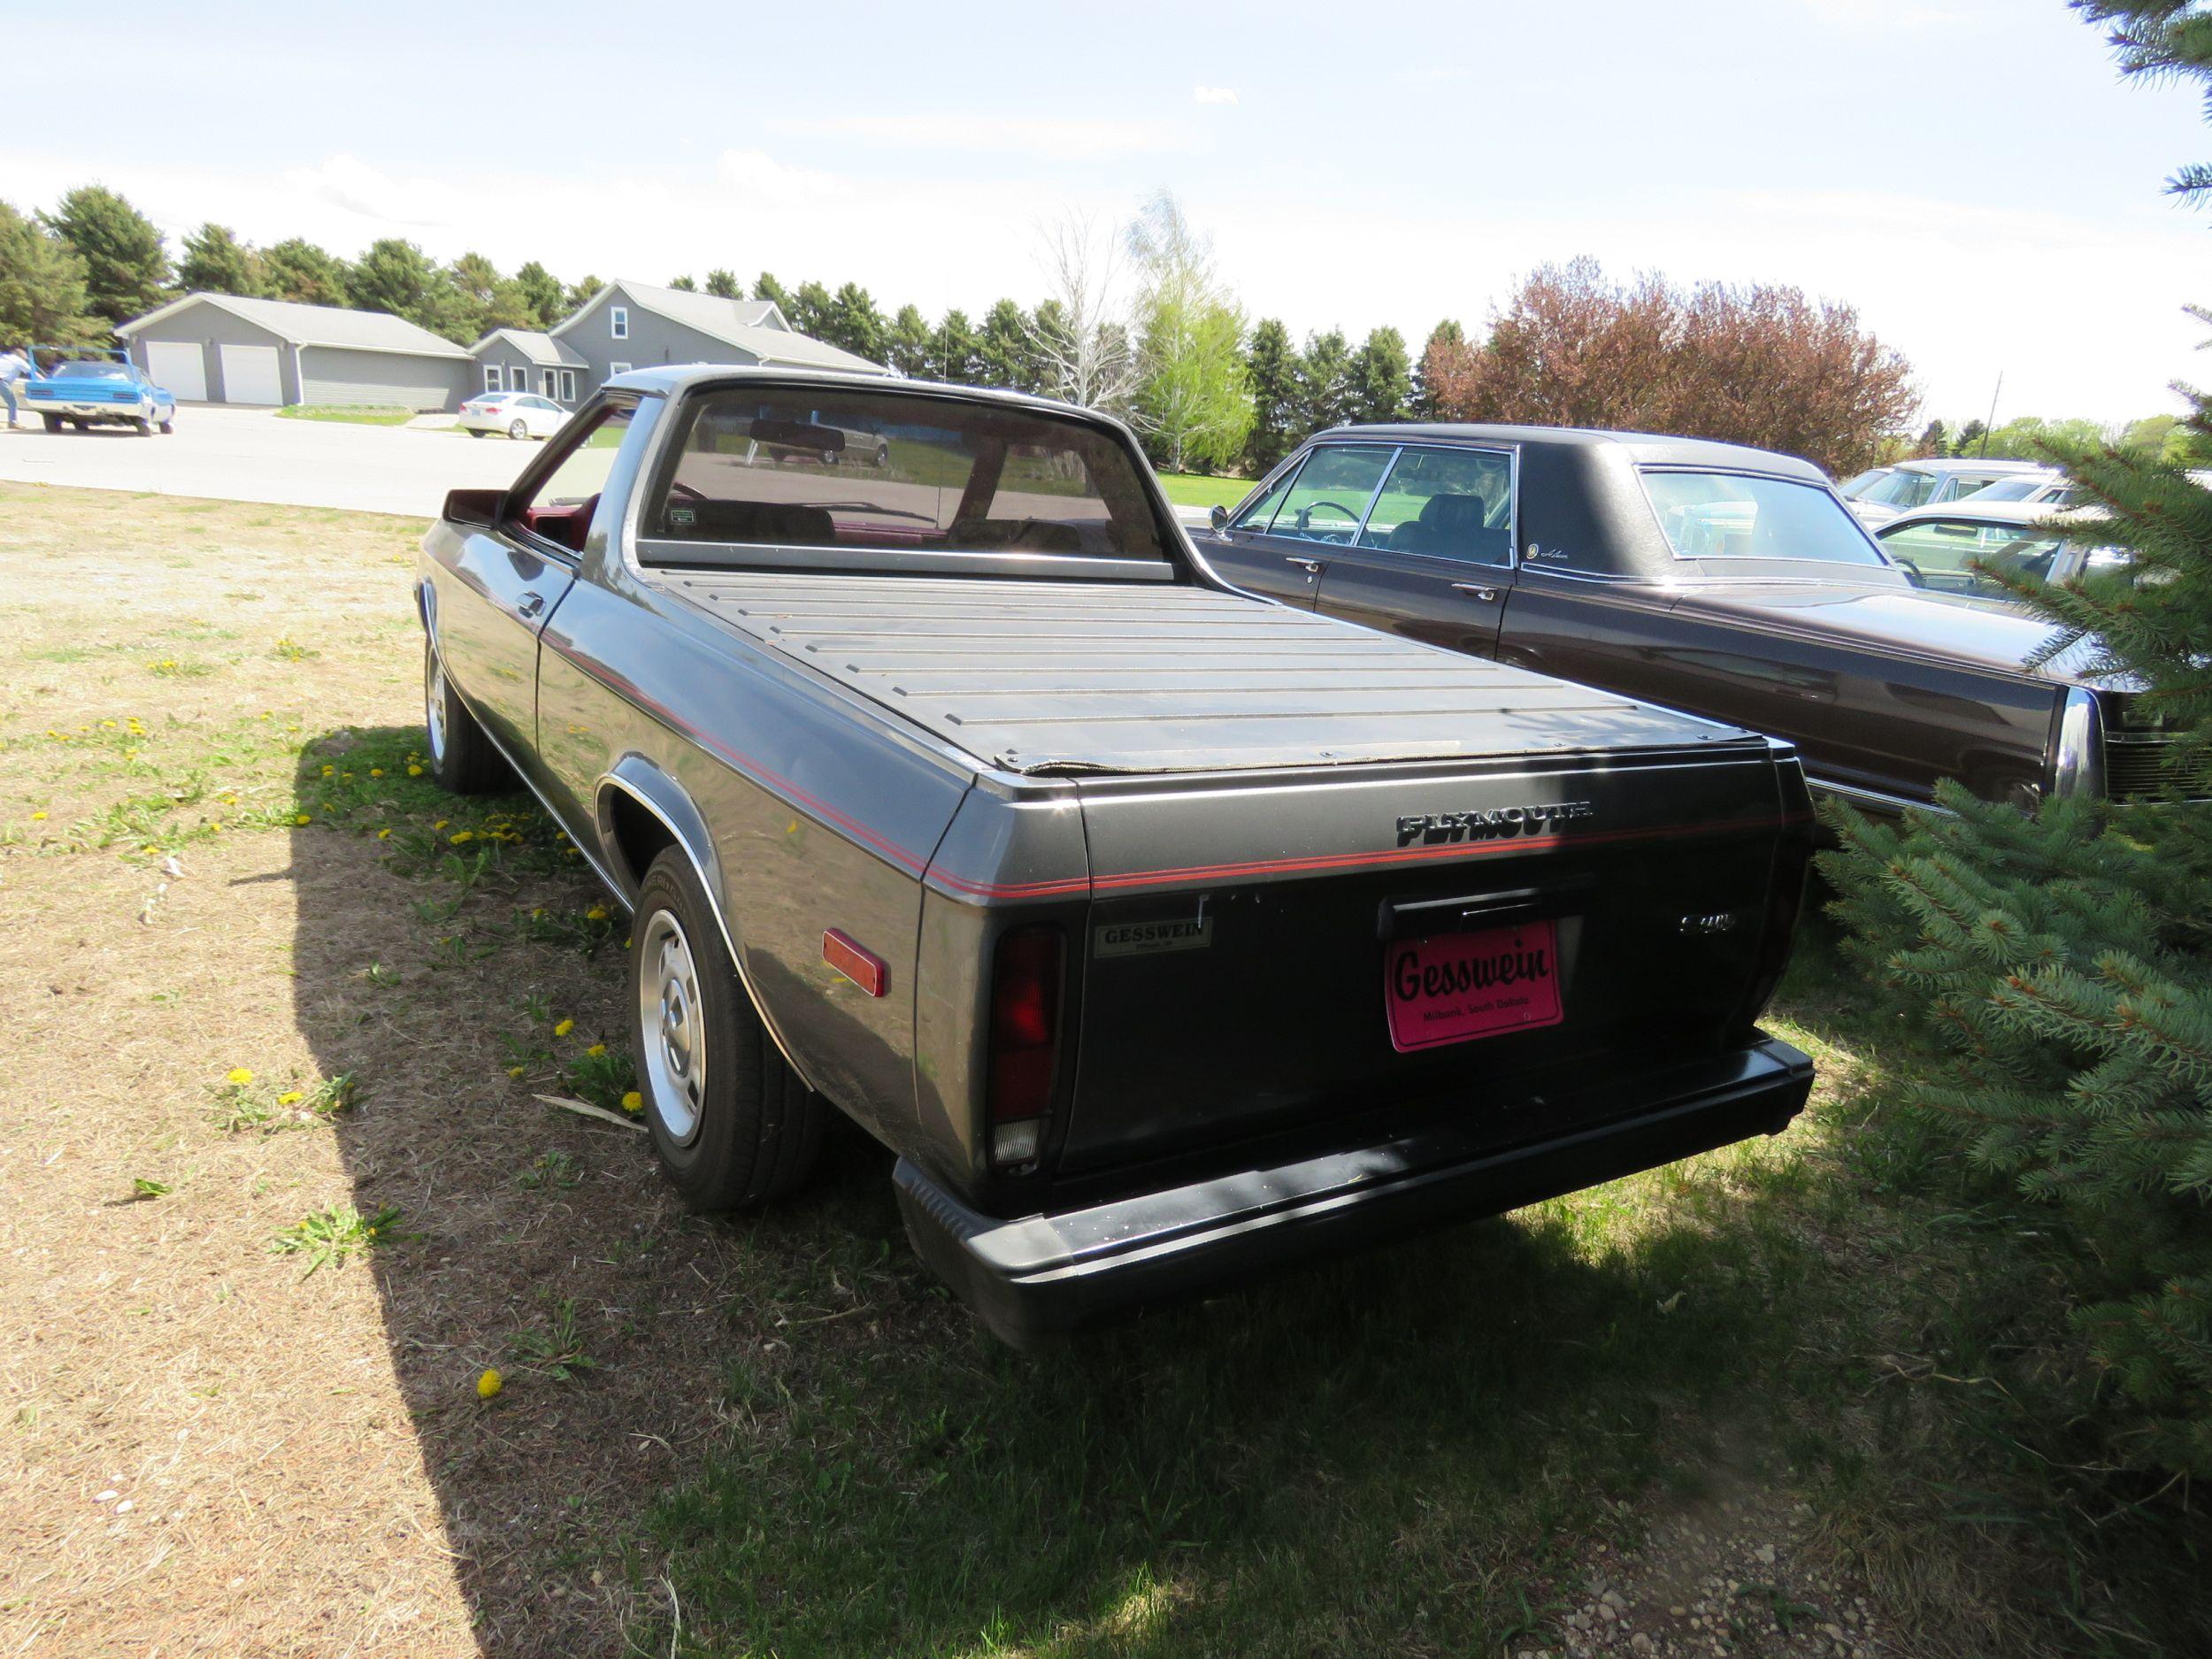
(1312, 567)
(531, 604)
(1488, 596)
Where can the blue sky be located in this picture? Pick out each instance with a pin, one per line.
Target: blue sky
(1969, 173)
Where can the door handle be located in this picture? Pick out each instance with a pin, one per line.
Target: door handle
(1488, 596)
(1312, 567)
(531, 604)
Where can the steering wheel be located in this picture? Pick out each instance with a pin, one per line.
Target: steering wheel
(686, 492)
(1911, 570)
(1306, 512)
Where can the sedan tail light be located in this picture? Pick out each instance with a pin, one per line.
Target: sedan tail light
(1025, 1043)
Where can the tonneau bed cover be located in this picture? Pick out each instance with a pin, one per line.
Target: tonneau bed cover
(1071, 678)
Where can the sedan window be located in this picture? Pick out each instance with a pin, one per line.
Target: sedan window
(1256, 517)
(1330, 499)
(1941, 553)
(1901, 489)
(1738, 515)
(1446, 503)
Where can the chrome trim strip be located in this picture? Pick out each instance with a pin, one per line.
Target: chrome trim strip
(656, 553)
(729, 941)
(1879, 799)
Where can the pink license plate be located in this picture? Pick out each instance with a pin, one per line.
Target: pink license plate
(1455, 987)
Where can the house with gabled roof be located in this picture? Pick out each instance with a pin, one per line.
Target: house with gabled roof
(223, 349)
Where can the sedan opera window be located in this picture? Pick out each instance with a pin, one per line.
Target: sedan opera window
(1446, 504)
(1743, 516)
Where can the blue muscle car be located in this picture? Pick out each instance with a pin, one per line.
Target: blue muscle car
(100, 392)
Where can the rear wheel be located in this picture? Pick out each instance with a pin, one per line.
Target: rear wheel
(53, 422)
(476, 432)
(462, 758)
(731, 1122)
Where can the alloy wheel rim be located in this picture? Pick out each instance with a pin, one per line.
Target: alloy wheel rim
(671, 1024)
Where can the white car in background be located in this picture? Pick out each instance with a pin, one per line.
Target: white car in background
(517, 414)
(1881, 493)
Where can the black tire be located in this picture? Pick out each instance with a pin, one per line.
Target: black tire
(53, 422)
(168, 427)
(476, 432)
(462, 758)
(143, 427)
(732, 1126)
(519, 431)
(77, 426)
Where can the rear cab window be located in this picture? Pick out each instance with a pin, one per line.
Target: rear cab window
(819, 477)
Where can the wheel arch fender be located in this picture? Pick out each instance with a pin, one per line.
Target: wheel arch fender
(636, 785)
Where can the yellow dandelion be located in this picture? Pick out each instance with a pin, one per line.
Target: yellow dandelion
(303, 818)
(414, 772)
(383, 835)
(632, 1102)
(514, 1071)
(376, 771)
(440, 824)
(38, 818)
(563, 1028)
(463, 835)
(291, 1097)
(596, 1049)
(597, 913)
(217, 825)
(327, 771)
(238, 1075)
(489, 1383)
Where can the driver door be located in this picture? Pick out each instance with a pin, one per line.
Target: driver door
(1281, 545)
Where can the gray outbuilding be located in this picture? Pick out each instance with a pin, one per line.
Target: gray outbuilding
(630, 325)
(224, 348)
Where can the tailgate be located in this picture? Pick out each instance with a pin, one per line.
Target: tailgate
(1262, 952)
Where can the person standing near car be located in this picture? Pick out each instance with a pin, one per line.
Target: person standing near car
(12, 369)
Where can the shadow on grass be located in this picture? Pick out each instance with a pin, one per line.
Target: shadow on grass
(785, 1435)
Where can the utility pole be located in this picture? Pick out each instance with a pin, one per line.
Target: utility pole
(1987, 425)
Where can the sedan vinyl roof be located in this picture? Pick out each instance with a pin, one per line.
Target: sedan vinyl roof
(1645, 448)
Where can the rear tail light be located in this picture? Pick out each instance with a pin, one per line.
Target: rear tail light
(1025, 1043)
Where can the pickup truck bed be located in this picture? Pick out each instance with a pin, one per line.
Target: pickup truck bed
(1063, 679)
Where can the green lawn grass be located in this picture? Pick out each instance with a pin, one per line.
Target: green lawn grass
(363, 417)
(1197, 490)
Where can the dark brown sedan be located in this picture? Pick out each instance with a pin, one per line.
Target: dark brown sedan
(1727, 581)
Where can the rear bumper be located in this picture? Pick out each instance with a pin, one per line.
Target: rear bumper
(1043, 1275)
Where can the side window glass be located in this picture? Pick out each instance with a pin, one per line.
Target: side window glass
(1446, 504)
(1938, 554)
(561, 507)
(1255, 517)
(1328, 501)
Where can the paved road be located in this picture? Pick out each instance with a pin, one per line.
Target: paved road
(251, 455)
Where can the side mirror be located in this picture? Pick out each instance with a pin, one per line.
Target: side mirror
(478, 509)
(1219, 517)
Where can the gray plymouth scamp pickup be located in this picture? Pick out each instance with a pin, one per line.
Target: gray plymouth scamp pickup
(1166, 935)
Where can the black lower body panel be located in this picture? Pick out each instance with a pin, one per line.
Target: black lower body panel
(1043, 1275)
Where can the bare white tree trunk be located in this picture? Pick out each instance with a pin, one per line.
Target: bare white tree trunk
(1086, 357)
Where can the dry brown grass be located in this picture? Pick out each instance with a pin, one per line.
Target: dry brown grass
(299, 1464)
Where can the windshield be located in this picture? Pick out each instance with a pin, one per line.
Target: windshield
(90, 372)
(1852, 489)
(1740, 516)
(809, 466)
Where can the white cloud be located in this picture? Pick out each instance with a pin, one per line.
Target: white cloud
(1213, 95)
(1068, 140)
(347, 182)
(757, 176)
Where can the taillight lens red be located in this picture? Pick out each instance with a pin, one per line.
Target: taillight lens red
(1025, 1049)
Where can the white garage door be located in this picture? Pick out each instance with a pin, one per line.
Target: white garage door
(179, 366)
(251, 376)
